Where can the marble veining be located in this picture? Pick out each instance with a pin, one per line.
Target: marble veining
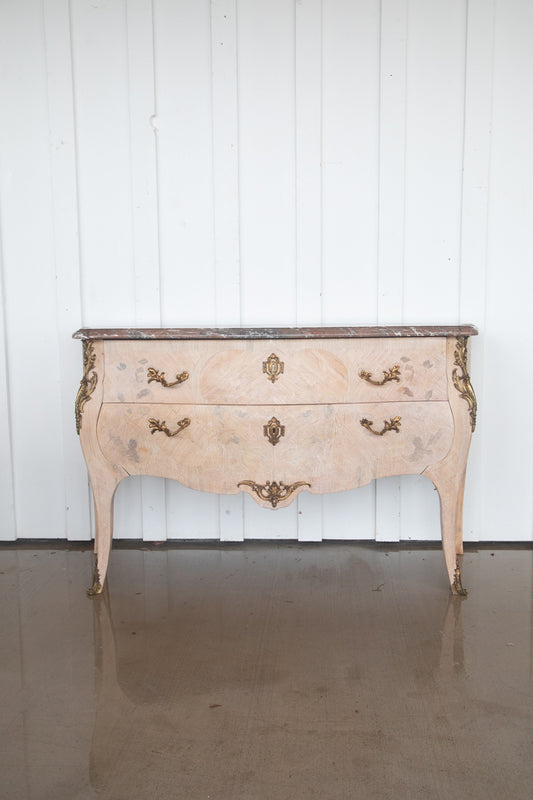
(328, 332)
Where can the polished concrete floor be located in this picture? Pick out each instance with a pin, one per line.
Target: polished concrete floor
(266, 671)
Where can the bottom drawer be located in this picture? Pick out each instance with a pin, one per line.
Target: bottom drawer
(227, 449)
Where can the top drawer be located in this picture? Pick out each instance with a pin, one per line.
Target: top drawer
(244, 372)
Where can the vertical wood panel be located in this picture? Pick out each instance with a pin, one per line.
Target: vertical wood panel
(474, 232)
(308, 132)
(8, 528)
(191, 514)
(392, 112)
(100, 59)
(350, 160)
(434, 162)
(264, 523)
(226, 203)
(434, 159)
(350, 203)
(267, 161)
(185, 148)
(508, 478)
(144, 212)
(143, 162)
(64, 208)
(266, 58)
(225, 161)
(102, 119)
(29, 276)
(392, 121)
(185, 168)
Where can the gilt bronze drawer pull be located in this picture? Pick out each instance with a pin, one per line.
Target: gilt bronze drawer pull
(159, 377)
(274, 430)
(157, 425)
(392, 374)
(392, 425)
(273, 491)
(273, 367)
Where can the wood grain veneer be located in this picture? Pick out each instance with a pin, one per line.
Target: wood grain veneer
(347, 405)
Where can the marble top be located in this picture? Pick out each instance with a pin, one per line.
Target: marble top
(329, 332)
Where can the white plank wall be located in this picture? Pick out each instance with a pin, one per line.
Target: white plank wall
(391, 215)
(262, 162)
(433, 153)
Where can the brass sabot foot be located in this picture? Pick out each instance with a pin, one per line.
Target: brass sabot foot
(96, 588)
(457, 586)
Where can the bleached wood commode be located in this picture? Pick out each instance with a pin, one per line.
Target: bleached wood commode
(276, 411)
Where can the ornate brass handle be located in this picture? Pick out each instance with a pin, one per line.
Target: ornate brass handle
(157, 425)
(392, 374)
(159, 377)
(393, 425)
(273, 491)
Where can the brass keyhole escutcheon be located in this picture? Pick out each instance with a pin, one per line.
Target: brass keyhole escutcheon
(274, 430)
(273, 367)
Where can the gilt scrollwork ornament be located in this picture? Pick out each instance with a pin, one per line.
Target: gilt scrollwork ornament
(272, 491)
(161, 426)
(462, 382)
(392, 374)
(159, 377)
(87, 383)
(273, 367)
(273, 430)
(96, 588)
(457, 586)
(392, 425)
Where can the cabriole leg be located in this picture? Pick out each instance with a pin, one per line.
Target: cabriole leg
(451, 490)
(103, 492)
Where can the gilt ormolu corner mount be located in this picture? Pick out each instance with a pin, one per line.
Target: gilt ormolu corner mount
(277, 411)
